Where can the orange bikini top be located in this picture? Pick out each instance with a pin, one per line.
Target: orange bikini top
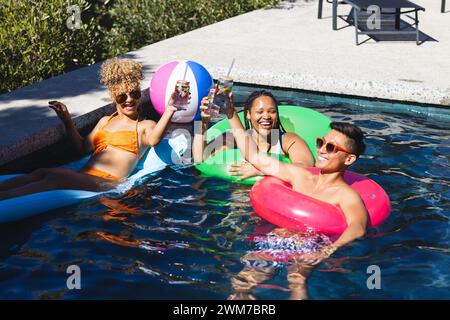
(123, 140)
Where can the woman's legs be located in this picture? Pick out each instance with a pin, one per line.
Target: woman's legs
(56, 178)
(23, 179)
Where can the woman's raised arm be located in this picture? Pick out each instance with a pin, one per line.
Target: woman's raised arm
(63, 113)
(263, 162)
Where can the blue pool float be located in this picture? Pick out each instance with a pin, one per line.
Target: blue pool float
(167, 152)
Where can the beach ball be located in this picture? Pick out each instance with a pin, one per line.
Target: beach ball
(163, 84)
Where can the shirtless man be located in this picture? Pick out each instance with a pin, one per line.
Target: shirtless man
(336, 151)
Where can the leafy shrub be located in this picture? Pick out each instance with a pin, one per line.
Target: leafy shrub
(138, 23)
(36, 44)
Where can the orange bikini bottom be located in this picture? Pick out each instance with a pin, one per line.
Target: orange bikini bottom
(101, 174)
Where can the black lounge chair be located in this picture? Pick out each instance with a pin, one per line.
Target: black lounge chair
(388, 8)
(442, 6)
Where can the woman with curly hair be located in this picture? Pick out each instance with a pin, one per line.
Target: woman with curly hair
(117, 141)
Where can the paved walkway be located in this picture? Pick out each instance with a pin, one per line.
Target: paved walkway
(285, 47)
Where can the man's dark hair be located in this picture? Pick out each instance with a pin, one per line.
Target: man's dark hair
(355, 135)
(248, 104)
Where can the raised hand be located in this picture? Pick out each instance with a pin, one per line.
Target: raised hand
(61, 110)
(229, 109)
(204, 110)
(178, 101)
(245, 170)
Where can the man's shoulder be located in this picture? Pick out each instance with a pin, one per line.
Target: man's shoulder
(299, 171)
(350, 198)
(347, 193)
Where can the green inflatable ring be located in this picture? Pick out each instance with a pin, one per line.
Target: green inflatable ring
(305, 122)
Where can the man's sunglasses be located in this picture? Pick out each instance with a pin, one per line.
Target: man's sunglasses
(329, 146)
(121, 98)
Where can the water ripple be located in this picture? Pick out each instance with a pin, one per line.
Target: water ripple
(180, 236)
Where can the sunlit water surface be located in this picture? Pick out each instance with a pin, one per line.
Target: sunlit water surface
(180, 236)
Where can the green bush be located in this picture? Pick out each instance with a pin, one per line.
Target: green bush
(36, 44)
(138, 23)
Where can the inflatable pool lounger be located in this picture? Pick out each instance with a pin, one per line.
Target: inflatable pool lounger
(167, 152)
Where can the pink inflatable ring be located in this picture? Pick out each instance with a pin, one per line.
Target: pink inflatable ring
(276, 202)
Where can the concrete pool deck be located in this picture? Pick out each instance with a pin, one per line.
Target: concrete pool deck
(283, 47)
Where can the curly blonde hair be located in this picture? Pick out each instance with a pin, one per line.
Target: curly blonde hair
(121, 72)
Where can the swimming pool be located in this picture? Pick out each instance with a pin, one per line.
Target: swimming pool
(181, 236)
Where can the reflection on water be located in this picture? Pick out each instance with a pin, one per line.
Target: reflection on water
(181, 236)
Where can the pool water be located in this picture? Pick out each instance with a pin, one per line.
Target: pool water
(181, 236)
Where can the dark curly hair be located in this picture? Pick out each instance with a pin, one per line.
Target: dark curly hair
(248, 105)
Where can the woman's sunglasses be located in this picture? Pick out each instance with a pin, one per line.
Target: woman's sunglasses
(329, 146)
(121, 98)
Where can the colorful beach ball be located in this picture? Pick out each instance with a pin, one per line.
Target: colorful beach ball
(163, 83)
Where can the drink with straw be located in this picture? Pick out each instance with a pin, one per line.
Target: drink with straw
(212, 110)
(181, 97)
(223, 88)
